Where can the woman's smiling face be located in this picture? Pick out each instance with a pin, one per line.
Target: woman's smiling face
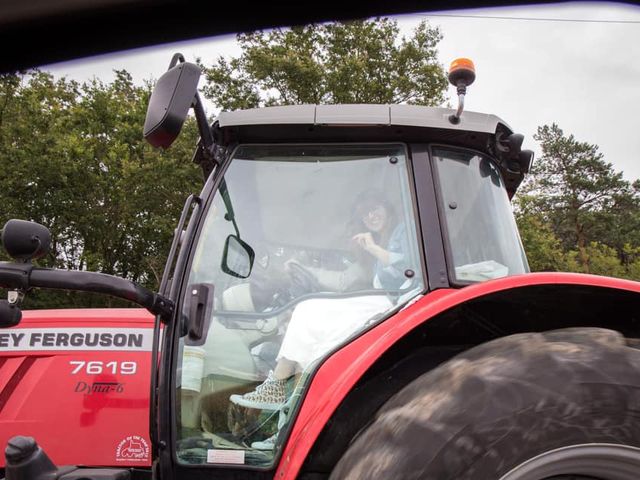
(375, 218)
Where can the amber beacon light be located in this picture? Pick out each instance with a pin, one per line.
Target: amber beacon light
(462, 73)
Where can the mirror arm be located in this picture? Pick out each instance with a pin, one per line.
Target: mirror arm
(25, 277)
(162, 307)
(105, 284)
(230, 215)
(204, 154)
(203, 125)
(15, 276)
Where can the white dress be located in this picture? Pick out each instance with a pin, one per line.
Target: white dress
(318, 325)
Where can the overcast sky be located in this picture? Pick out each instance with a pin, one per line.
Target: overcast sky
(583, 74)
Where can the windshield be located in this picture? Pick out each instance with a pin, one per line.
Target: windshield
(302, 248)
(482, 236)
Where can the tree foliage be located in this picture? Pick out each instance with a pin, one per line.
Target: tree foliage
(72, 157)
(576, 212)
(354, 62)
(543, 248)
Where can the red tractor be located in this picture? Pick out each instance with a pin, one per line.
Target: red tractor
(348, 297)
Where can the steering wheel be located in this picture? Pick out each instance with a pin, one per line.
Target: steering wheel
(302, 280)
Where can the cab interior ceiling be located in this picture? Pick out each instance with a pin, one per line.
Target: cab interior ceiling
(526, 309)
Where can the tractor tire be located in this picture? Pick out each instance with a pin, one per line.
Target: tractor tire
(564, 404)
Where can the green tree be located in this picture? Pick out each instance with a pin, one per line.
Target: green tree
(354, 62)
(600, 260)
(72, 157)
(580, 196)
(544, 250)
(632, 262)
(33, 174)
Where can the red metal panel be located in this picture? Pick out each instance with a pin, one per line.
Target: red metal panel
(8, 368)
(338, 375)
(78, 381)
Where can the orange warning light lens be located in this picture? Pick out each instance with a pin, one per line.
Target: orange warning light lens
(462, 73)
(462, 63)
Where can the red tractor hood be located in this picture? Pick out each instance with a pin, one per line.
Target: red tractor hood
(78, 382)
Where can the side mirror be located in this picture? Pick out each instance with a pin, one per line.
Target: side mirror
(237, 257)
(10, 314)
(513, 158)
(510, 146)
(25, 241)
(169, 104)
(526, 159)
(515, 141)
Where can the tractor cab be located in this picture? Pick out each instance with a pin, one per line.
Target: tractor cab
(316, 223)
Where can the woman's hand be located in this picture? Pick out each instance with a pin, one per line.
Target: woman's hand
(367, 243)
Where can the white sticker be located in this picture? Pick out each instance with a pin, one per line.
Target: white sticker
(48, 339)
(192, 368)
(235, 457)
(132, 449)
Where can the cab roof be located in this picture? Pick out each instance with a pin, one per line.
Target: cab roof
(362, 115)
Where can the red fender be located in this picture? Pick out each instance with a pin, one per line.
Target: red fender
(340, 372)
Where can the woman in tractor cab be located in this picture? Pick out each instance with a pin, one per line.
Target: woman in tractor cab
(319, 325)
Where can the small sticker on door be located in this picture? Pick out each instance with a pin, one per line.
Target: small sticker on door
(235, 457)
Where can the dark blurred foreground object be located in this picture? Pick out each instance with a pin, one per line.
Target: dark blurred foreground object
(90, 28)
(521, 407)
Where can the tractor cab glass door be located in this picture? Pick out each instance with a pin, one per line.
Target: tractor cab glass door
(302, 248)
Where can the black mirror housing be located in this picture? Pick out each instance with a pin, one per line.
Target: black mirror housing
(169, 104)
(237, 257)
(25, 241)
(10, 314)
(526, 159)
(515, 141)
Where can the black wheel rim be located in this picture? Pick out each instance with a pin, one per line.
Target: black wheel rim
(589, 461)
